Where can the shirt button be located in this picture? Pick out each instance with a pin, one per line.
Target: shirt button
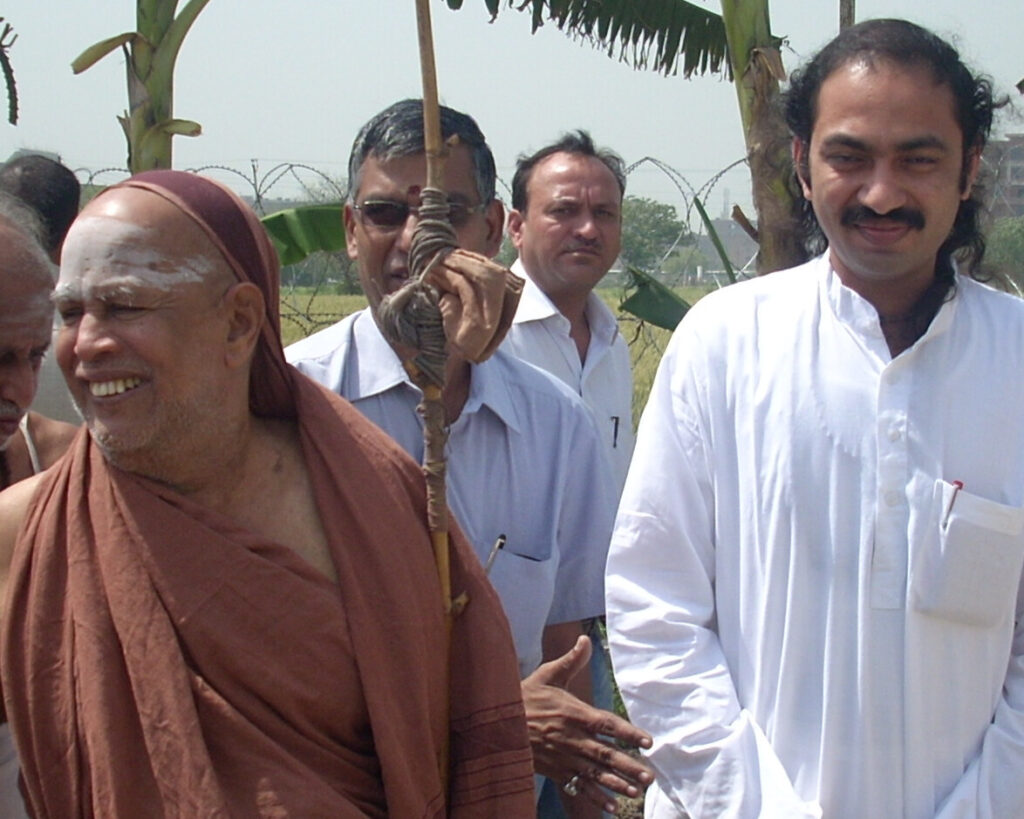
(892, 497)
(895, 433)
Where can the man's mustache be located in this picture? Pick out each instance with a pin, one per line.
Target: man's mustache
(861, 214)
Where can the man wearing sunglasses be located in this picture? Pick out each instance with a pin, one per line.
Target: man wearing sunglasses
(527, 480)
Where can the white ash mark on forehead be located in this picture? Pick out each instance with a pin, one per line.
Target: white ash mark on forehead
(113, 253)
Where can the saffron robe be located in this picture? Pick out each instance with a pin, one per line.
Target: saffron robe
(159, 660)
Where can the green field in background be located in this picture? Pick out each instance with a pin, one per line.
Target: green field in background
(306, 310)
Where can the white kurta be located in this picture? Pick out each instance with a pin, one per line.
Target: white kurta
(540, 335)
(800, 611)
(524, 462)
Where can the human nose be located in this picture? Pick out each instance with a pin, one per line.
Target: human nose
(586, 226)
(404, 239)
(882, 190)
(92, 337)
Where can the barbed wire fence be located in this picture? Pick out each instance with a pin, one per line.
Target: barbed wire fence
(323, 288)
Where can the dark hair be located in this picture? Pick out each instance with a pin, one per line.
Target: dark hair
(49, 188)
(906, 44)
(577, 142)
(397, 131)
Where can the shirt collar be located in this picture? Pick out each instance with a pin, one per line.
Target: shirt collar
(374, 368)
(534, 305)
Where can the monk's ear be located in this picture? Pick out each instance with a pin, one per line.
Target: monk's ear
(245, 311)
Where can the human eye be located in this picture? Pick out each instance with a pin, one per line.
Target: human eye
(36, 357)
(69, 312)
(921, 162)
(123, 309)
(843, 159)
(384, 213)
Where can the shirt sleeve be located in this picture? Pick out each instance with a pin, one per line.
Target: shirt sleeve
(992, 786)
(709, 755)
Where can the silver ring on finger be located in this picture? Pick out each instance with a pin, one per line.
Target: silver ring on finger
(572, 785)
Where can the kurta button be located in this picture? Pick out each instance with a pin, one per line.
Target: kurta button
(892, 497)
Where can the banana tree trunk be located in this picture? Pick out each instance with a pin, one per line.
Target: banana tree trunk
(847, 13)
(757, 69)
(150, 54)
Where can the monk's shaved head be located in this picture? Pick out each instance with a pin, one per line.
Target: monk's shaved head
(136, 237)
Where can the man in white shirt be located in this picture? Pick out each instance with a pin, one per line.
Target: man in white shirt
(814, 586)
(566, 224)
(525, 465)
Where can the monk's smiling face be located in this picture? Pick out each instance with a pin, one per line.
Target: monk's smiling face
(140, 296)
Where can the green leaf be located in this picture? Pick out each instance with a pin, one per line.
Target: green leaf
(715, 240)
(297, 232)
(653, 302)
(97, 51)
(182, 127)
(656, 33)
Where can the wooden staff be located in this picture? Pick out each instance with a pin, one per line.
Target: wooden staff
(432, 409)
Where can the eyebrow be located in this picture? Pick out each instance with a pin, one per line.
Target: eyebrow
(915, 144)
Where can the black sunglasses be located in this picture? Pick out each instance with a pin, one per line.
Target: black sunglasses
(391, 214)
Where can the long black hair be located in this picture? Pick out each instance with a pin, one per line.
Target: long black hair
(907, 44)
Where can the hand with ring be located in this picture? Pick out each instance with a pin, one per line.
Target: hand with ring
(579, 745)
(572, 785)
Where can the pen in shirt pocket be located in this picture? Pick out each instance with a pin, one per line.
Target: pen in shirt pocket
(957, 486)
(499, 544)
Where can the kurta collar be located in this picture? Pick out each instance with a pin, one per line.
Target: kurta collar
(860, 316)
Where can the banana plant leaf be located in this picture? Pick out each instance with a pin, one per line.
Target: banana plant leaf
(297, 232)
(653, 302)
(715, 240)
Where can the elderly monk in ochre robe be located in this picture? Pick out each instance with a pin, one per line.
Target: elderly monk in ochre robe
(223, 602)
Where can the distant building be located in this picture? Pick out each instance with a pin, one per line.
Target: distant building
(1004, 159)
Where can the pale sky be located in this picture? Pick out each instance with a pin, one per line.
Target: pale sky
(280, 82)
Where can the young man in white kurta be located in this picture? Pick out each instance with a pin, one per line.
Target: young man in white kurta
(814, 587)
(786, 590)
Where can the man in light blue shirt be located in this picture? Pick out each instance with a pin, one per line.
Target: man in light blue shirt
(525, 461)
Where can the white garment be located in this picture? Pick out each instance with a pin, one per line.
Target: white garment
(30, 444)
(524, 461)
(540, 335)
(800, 611)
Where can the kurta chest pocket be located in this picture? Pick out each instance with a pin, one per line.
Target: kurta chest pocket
(969, 569)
